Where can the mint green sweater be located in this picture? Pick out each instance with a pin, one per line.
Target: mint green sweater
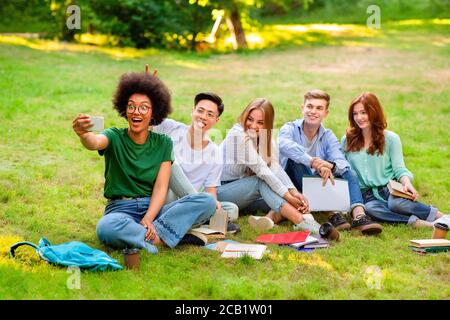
(376, 170)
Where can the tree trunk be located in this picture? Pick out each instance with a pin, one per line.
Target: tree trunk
(235, 25)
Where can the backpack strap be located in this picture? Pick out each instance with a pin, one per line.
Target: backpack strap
(19, 244)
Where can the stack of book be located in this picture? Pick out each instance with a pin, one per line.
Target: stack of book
(430, 245)
(311, 243)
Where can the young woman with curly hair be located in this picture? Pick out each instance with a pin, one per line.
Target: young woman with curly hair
(137, 172)
(377, 157)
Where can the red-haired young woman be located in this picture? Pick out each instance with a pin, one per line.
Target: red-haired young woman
(376, 155)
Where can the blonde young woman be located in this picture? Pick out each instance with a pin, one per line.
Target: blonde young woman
(252, 177)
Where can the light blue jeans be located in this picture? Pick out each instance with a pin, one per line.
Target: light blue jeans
(180, 186)
(250, 193)
(296, 171)
(119, 228)
(395, 209)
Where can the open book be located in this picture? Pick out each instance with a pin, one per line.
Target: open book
(237, 250)
(233, 249)
(397, 189)
(217, 228)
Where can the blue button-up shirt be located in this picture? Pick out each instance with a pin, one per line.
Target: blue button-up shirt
(291, 142)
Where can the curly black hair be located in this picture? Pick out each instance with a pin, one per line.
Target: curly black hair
(143, 83)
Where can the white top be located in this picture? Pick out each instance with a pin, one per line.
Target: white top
(311, 147)
(202, 167)
(240, 153)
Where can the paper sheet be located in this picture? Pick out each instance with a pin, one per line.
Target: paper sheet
(328, 197)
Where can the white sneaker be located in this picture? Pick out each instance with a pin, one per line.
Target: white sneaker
(260, 223)
(445, 219)
(308, 225)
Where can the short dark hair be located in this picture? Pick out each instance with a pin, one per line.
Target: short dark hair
(143, 83)
(211, 97)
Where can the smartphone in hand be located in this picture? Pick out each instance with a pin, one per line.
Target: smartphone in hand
(98, 123)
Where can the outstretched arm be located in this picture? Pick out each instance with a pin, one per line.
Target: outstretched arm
(89, 140)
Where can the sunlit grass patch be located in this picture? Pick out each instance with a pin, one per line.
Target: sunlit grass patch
(51, 45)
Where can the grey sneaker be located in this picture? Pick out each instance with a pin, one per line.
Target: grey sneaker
(308, 225)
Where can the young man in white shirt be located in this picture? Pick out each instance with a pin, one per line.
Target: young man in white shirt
(198, 165)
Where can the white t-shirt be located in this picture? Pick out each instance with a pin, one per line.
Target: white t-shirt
(202, 167)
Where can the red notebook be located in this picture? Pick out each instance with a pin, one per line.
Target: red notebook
(283, 238)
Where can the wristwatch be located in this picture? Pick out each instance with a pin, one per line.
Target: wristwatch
(334, 165)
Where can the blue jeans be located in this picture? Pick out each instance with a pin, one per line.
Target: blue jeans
(395, 209)
(296, 171)
(248, 192)
(180, 186)
(120, 228)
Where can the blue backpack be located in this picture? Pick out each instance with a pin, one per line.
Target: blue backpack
(72, 254)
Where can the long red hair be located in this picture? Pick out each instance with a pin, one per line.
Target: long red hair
(355, 139)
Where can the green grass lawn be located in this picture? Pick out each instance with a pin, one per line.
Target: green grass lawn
(51, 186)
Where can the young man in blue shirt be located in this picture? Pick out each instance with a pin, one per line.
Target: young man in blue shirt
(307, 148)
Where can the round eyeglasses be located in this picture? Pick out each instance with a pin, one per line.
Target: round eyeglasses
(142, 109)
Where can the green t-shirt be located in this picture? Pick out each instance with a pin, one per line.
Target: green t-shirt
(130, 168)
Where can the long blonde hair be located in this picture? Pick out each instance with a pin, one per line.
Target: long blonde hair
(265, 141)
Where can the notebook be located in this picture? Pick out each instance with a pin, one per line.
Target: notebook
(238, 250)
(326, 198)
(283, 238)
(309, 239)
(320, 244)
(430, 250)
(429, 243)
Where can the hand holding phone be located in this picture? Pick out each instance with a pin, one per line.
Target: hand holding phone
(97, 123)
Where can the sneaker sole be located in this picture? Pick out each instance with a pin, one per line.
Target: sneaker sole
(370, 229)
(343, 227)
(261, 223)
